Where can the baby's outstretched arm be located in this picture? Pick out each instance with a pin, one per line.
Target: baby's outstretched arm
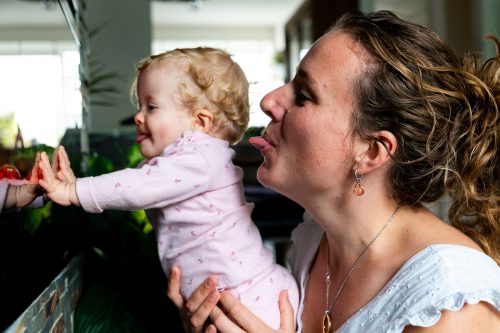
(61, 192)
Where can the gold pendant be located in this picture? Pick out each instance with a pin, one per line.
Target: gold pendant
(327, 323)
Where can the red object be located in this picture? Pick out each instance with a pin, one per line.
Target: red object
(39, 175)
(9, 172)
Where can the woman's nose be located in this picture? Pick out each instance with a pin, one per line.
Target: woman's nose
(273, 104)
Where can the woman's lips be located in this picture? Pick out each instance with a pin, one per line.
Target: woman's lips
(261, 143)
(141, 137)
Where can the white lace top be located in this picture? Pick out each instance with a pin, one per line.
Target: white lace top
(440, 277)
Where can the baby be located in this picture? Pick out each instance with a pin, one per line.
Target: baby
(192, 105)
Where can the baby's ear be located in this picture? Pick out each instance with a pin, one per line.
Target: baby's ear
(202, 120)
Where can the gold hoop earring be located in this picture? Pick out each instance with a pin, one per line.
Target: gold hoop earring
(358, 189)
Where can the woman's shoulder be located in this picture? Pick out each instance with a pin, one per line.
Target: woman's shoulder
(452, 266)
(440, 277)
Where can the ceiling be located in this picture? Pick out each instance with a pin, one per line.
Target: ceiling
(180, 13)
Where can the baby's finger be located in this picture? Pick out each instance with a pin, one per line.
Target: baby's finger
(63, 156)
(65, 172)
(46, 169)
(45, 164)
(55, 161)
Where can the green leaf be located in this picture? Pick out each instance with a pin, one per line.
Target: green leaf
(134, 156)
(35, 217)
(253, 131)
(140, 217)
(98, 165)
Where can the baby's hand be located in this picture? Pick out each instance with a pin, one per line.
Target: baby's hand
(61, 192)
(61, 166)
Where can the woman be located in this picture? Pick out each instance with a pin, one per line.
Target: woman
(380, 119)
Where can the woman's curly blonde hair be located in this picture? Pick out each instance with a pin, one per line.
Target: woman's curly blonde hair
(444, 113)
(219, 86)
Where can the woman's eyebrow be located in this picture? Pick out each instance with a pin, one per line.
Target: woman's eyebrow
(305, 79)
(303, 75)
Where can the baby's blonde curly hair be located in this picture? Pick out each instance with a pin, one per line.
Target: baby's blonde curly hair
(219, 86)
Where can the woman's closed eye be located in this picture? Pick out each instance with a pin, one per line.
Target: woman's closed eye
(301, 97)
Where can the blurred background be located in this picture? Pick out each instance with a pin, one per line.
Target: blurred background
(39, 58)
(65, 71)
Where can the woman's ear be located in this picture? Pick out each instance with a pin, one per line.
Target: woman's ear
(202, 120)
(375, 153)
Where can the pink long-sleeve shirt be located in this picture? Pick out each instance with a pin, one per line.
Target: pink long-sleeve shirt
(193, 195)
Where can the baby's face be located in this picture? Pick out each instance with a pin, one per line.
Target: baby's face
(161, 117)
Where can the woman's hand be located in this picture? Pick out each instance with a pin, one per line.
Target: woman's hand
(196, 310)
(243, 320)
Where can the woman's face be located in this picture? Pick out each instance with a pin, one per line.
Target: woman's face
(307, 144)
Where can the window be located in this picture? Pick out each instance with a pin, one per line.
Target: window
(41, 88)
(40, 91)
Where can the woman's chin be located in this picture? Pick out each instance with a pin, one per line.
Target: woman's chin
(265, 177)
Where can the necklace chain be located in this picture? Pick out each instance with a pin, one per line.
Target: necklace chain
(328, 309)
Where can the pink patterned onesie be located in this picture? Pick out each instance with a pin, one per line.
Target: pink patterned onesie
(193, 196)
